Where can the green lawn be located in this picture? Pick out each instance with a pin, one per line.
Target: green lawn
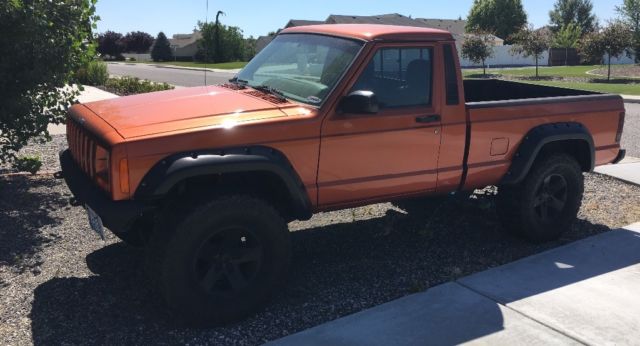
(613, 88)
(556, 71)
(575, 77)
(222, 66)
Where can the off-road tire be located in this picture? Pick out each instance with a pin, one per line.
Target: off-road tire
(195, 260)
(555, 183)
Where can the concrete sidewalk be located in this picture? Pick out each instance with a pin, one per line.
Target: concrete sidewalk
(631, 98)
(587, 292)
(90, 94)
(628, 170)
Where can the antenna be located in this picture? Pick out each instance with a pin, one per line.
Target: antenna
(206, 44)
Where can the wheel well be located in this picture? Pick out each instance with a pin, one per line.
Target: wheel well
(261, 184)
(577, 148)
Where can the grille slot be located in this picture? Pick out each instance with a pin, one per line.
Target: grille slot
(267, 97)
(82, 146)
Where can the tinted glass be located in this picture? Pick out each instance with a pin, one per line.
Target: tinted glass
(450, 76)
(399, 77)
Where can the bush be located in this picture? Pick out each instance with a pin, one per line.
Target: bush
(31, 164)
(43, 44)
(131, 86)
(94, 73)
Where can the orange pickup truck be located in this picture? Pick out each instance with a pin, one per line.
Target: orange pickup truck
(325, 117)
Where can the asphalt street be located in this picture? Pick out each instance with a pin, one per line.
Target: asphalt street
(187, 78)
(178, 77)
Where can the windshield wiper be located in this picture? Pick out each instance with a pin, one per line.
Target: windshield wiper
(270, 90)
(239, 82)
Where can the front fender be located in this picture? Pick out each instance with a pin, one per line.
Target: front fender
(170, 171)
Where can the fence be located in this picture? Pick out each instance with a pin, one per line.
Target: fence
(138, 57)
(502, 56)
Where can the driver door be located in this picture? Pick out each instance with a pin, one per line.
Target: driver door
(370, 157)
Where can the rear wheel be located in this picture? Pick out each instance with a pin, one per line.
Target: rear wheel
(223, 261)
(546, 203)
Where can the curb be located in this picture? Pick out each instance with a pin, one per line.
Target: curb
(175, 67)
(630, 99)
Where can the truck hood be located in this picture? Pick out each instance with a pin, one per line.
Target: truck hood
(182, 109)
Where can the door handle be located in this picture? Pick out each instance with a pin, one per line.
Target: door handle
(428, 119)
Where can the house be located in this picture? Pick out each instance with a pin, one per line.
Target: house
(455, 26)
(185, 45)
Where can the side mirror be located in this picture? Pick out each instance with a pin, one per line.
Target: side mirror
(360, 102)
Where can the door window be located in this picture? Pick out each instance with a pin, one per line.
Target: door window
(399, 77)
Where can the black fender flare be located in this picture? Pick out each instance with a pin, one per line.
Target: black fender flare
(175, 168)
(536, 139)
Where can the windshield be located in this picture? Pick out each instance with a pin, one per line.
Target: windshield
(301, 67)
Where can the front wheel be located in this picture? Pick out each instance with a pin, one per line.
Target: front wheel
(546, 203)
(224, 260)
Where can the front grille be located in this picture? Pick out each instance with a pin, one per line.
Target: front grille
(83, 148)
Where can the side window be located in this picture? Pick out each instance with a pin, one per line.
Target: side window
(450, 76)
(399, 77)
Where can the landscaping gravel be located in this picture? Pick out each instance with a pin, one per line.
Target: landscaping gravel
(60, 284)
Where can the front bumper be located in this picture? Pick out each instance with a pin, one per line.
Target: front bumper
(117, 216)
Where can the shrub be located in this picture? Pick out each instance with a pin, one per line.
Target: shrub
(94, 73)
(43, 43)
(131, 86)
(31, 164)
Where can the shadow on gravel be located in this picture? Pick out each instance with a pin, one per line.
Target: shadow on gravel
(337, 270)
(26, 205)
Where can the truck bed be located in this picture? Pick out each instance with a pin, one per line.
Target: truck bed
(501, 113)
(499, 90)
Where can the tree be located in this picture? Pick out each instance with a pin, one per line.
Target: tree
(502, 18)
(630, 11)
(576, 12)
(111, 44)
(612, 41)
(249, 48)
(161, 50)
(231, 43)
(54, 41)
(477, 48)
(530, 42)
(137, 42)
(567, 37)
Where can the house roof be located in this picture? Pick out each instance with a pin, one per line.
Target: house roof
(370, 32)
(455, 26)
(183, 40)
(384, 19)
(302, 22)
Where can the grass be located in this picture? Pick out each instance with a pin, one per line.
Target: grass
(544, 71)
(222, 66)
(613, 88)
(572, 77)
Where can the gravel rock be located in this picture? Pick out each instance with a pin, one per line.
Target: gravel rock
(60, 284)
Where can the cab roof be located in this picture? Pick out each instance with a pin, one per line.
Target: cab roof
(373, 32)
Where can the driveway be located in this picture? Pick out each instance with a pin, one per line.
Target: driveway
(631, 134)
(178, 77)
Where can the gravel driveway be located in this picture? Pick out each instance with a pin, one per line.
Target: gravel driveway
(59, 284)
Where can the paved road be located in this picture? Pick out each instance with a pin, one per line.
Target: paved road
(631, 134)
(630, 140)
(186, 78)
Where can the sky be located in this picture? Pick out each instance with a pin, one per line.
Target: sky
(257, 18)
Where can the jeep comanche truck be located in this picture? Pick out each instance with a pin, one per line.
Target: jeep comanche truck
(325, 117)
